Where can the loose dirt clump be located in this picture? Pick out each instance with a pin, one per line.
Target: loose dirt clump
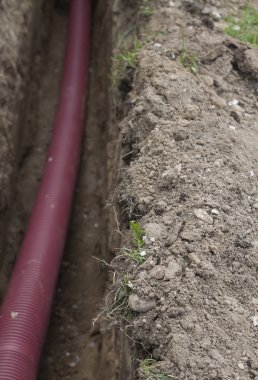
(192, 179)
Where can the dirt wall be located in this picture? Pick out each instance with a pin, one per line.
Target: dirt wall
(190, 123)
(18, 21)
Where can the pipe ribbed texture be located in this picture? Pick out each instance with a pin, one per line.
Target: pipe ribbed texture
(25, 312)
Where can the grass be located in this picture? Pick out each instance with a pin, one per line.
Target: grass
(119, 307)
(146, 10)
(135, 255)
(244, 28)
(190, 60)
(136, 252)
(128, 57)
(149, 368)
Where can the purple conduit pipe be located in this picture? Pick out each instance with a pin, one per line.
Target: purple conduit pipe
(25, 312)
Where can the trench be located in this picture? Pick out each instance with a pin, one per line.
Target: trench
(74, 349)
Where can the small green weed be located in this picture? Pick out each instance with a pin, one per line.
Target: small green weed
(190, 60)
(244, 28)
(137, 233)
(135, 255)
(127, 58)
(149, 368)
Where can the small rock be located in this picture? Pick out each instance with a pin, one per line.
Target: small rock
(219, 162)
(242, 242)
(203, 215)
(191, 111)
(173, 269)
(233, 102)
(155, 231)
(255, 320)
(251, 61)
(180, 135)
(169, 177)
(198, 332)
(207, 80)
(241, 365)
(236, 115)
(175, 312)
(160, 207)
(190, 234)
(158, 272)
(213, 374)
(232, 127)
(219, 102)
(194, 258)
(141, 306)
(255, 244)
(214, 211)
(171, 55)
(216, 15)
(183, 123)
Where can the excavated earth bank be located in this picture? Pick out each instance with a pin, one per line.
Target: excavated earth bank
(190, 179)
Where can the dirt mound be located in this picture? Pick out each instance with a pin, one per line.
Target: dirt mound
(192, 177)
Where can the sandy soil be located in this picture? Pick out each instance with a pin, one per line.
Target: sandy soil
(191, 181)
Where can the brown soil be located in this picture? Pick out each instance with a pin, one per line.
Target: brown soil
(191, 182)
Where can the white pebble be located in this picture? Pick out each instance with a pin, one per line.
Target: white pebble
(255, 320)
(233, 102)
(232, 127)
(241, 365)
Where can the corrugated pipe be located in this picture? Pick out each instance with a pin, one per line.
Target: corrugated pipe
(25, 312)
